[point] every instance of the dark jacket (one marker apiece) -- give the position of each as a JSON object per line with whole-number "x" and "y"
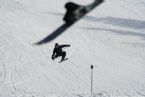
{"x": 58, "y": 51}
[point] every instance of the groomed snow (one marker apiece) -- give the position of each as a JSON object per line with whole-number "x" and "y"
{"x": 111, "y": 37}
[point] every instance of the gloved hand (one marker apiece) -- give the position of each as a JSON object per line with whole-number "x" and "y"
{"x": 53, "y": 57}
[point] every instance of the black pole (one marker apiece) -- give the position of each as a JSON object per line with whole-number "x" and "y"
{"x": 92, "y": 78}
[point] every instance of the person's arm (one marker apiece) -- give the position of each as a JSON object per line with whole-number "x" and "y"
{"x": 64, "y": 45}
{"x": 53, "y": 54}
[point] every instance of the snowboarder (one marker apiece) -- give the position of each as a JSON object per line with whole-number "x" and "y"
{"x": 70, "y": 8}
{"x": 57, "y": 52}
{"x": 74, "y": 11}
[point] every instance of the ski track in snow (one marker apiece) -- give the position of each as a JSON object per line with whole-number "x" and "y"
{"x": 2, "y": 72}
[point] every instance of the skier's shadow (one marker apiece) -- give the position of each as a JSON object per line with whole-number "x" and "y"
{"x": 54, "y": 34}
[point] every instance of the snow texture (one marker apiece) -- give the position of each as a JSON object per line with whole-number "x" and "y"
{"x": 111, "y": 37}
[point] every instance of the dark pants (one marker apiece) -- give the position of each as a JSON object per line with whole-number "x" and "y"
{"x": 63, "y": 54}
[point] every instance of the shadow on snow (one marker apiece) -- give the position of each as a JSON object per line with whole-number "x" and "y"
{"x": 121, "y": 32}
{"x": 129, "y": 23}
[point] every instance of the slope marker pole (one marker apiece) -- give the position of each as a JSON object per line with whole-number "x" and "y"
{"x": 92, "y": 78}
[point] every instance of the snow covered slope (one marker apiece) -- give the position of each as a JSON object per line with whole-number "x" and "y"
{"x": 111, "y": 37}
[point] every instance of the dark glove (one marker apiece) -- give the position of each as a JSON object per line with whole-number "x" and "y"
{"x": 53, "y": 57}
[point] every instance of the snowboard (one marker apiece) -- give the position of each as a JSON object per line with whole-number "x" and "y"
{"x": 75, "y": 16}
{"x": 63, "y": 60}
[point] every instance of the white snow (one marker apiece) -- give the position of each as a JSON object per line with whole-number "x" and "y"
{"x": 111, "y": 37}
